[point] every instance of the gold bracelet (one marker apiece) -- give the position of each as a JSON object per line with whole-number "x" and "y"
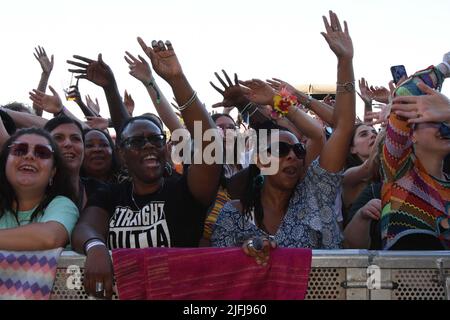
{"x": 345, "y": 87}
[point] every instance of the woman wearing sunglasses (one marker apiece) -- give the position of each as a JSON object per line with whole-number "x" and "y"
{"x": 294, "y": 207}
{"x": 36, "y": 208}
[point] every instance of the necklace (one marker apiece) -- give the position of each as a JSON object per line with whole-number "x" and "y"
{"x": 154, "y": 193}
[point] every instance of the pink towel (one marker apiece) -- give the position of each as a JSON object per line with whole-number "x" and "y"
{"x": 210, "y": 274}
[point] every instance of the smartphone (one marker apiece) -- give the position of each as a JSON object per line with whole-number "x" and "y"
{"x": 398, "y": 72}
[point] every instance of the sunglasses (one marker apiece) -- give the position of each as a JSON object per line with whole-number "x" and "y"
{"x": 282, "y": 149}
{"x": 157, "y": 140}
{"x": 227, "y": 127}
{"x": 41, "y": 151}
{"x": 444, "y": 129}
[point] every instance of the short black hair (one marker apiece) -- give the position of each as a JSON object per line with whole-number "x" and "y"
{"x": 8, "y": 122}
{"x": 133, "y": 119}
{"x": 52, "y": 124}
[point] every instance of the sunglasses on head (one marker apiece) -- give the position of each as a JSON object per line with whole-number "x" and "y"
{"x": 156, "y": 140}
{"x": 282, "y": 149}
{"x": 41, "y": 151}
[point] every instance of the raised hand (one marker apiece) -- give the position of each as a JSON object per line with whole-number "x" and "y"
{"x": 94, "y": 106}
{"x": 140, "y": 69}
{"x": 97, "y": 72}
{"x": 339, "y": 41}
{"x": 259, "y": 92}
{"x": 51, "y": 104}
{"x": 432, "y": 107}
{"x": 277, "y": 84}
{"x": 163, "y": 58}
{"x": 329, "y": 100}
{"x": 42, "y": 58}
{"x": 233, "y": 94}
{"x": 380, "y": 94}
{"x": 366, "y": 94}
{"x": 97, "y": 122}
{"x": 377, "y": 117}
{"x": 128, "y": 102}
{"x": 74, "y": 94}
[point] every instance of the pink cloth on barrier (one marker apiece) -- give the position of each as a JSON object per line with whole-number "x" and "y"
{"x": 28, "y": 275}
{"x": 210, "y": 274}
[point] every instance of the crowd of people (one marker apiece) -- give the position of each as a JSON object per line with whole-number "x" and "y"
{"x": 379, "y": 183}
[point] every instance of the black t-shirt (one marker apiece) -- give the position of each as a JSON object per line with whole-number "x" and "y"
{"x": 170, "y": 217}
{"x": 372, "y": 191}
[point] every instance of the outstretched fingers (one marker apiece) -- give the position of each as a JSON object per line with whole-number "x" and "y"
{"x": 220, "y": 80}
{"x": 216, "y": 88}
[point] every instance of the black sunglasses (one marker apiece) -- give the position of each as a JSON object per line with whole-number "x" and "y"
{"x": 282, "y": 149}
{"x": 156, "y": 140}
{"x": 20, "y": 149}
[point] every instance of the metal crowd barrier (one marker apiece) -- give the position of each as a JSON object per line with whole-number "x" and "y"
{"x": 335, "y": 275}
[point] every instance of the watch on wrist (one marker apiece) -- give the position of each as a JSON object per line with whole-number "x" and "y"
{"x": 345, "y": 87}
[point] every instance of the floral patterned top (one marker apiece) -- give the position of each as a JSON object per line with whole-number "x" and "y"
{"x": 310, "y": 220}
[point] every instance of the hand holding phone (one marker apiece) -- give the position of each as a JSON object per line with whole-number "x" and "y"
{"x": 398, "y": 72}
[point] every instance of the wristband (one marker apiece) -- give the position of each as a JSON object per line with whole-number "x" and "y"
{"x": 92, "y": 243}
{"x": 281, "y": 103}
{"x": 60, "y": 112}
{"x": 152, "y": 84}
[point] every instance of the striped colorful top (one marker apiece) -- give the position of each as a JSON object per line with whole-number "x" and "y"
{"x": 412, "y": 200}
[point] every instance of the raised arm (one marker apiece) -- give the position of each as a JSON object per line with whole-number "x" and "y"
{"x": 75, "y": 94}
{"x": 261, "y": 93}
{"x": 203, "y": 179}
{"x": 334, "y": 153}
{"x": 100, "y": 73}
{"x": 4, "y": 135}
{"x": 398, "y": 145}
{"x": 52, "y": 104}
{"x": 140, "y": 69}
{"x": 321, "y": 109}
{"x": 47, "y": 67}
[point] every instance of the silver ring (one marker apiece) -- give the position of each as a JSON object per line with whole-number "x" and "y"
{"x": 99, "y": 287}
{"x": 250, "y": 244}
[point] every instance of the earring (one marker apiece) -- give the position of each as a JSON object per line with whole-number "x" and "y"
{"x": 168, "y": 170}
{"x": 258, "y": 181}
{"x": 50, "y": 183}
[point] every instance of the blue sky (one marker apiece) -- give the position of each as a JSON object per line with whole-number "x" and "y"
{"x": 256, "y": 39}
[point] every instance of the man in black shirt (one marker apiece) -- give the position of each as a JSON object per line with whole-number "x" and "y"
{"x": 153, "y": 210}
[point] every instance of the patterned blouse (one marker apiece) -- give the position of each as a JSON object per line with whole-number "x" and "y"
{"x": 310, "y": 220}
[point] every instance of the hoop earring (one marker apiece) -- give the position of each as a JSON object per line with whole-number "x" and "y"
{"x": 167, "y": 170}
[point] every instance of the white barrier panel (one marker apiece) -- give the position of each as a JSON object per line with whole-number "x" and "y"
{"x": 335, "y": 275}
